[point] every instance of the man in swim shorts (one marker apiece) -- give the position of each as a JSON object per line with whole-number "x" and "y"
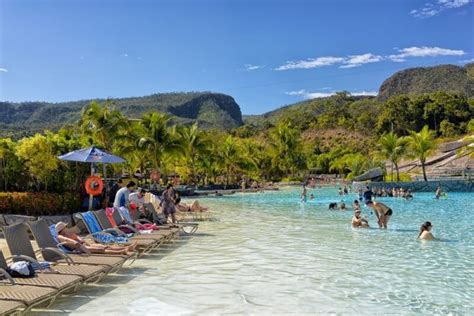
{"x": 382, "y": 211}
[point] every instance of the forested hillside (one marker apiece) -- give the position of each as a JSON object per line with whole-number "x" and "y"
{"x": 448, "y": 78}
{"x": 210, "y": 110}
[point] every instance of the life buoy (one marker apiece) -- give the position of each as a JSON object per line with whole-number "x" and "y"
{"x": 94, "y": 185}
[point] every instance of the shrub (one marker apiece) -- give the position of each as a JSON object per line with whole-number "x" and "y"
{"x": 404, "y": 177}
{"x": 38, "y": 203}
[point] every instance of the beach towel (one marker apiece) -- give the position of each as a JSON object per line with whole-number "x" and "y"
{"x": 91, "y": 222}
{"x": 109, "y": 211}
{"x": 125, "y": 214}
{"x": 104, "y": 238}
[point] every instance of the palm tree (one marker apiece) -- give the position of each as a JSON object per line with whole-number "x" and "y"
{"x": 102, "y": 124}
{"x": 391, "y": 147}
{"x": 194, "y": 144}
{"x": 421, "y": 145}
{"x": 285, "y": 148}
{"x": 230, "y": 157}
{"x": 156, "y": 138}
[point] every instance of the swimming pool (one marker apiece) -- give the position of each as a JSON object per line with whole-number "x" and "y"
{"x": 270, "y": 254}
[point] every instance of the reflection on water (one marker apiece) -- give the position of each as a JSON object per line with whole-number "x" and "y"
{"x": 268, "y": 253}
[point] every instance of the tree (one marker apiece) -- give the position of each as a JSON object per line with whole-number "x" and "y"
{"x": 194, "y": 144}
{"x": 156, "y": 138}
{"x": 37, "y": 154}
{"x": 102, "y": 124}
{"x": 230, "y": 157}
{"x": 393, "y": 148}
{"x": 421, "y": 145}
{"x": 286, "y": 149}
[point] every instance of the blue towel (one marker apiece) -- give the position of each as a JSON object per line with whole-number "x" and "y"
{"x": 104, "y": 238}
{"x": 91, "y": 222}
{"x": 126, "y": 214}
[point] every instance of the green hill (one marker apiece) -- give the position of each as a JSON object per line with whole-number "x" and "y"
{"x": 210, "y": 110}
{"x": 447, "y": 78}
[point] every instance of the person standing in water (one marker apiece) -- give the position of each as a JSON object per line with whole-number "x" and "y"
{"x": 304, "y": 194}
{"x": 382, "y": 211}
{"x": 438, "y": 192}
{"x": 425, "y": 231}
{"x": 168, "y": 206}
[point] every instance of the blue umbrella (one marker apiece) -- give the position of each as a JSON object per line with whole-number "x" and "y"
{"x": 92, "y": 155}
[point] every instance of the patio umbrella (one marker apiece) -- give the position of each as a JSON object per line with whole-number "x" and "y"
{"x": 92, "y": 155}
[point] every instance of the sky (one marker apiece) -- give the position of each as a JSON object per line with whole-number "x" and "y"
{"x": 264, "y": 53}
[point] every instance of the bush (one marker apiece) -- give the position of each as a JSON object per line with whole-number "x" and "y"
{"x": 38, "y": 203}
{"x": 404, "y": 177}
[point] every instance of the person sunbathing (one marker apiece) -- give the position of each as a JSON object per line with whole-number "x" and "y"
{"x": 195, "y": 207}
{"x": 74, "y": 242}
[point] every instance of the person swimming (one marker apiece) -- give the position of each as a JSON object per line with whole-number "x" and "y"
{"x": 311, "y": 196}
{"x": 425, "y": 231}
{"x": 358, "y": 221}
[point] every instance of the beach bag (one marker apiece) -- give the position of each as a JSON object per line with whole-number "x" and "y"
{"x": 21, "y": 269}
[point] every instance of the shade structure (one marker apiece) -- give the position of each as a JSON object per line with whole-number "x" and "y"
{"x": 92, "y": 155}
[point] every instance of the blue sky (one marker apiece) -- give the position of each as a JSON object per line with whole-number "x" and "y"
{"x": 263, "y": 53}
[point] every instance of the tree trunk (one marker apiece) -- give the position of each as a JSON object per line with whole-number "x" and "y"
{"x": 423, "y": 168}
{"x": 392, "y": 170}
{"x": 398, "y": 173}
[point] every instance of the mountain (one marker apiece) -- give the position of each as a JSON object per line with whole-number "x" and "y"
{"x": 412, "y": 81}
{"x": 447, "y": 78}
{"x": 210, "y": 110}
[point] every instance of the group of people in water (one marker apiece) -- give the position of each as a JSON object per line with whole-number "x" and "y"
{"x": 382, "y": 211}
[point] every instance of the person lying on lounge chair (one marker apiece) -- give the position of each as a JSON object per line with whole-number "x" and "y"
{"x": 74, "y": 242}
{"x": 195, "y": 207}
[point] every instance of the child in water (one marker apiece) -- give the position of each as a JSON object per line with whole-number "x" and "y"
{"x": 425, "y": 231}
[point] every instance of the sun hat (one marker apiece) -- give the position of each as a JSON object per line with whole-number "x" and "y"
{"x": 60, "y": 226}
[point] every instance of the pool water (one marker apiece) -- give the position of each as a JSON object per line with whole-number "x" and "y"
{"x": 269, "y": 254}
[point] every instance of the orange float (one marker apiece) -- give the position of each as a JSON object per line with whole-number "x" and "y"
{"x": 94, "y": 185}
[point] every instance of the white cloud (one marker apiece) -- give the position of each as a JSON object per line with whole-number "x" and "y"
{"x": 250, "y": 67}
{"x": 124, "y": 55}
{"x": 466, "y": 61}
{"x": 424, "y": 51}
{"x": 313, "y": 95}
{"x": 431, "y": 9}
{"x": 311, "y": 63}
{"x": 3, "y": 70}
{"x": 358, "y": 60}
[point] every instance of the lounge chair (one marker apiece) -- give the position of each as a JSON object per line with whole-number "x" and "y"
{"x": 14, "y": 296}
{"x": 144, "y": 246}
{"x": 60, "y": 282}
{"x": 186, "y": 228}
{"x": 20, "y": 247}
{"x": 11, "y": 308}
{"x": 158, "y": 235}
{"x": 49, "y": 247}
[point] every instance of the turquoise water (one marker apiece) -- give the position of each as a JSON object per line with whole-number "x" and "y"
{"x": 270, "y": 254}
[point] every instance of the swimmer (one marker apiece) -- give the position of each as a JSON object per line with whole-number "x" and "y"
{"x": 311, "y": 196}
{"x": 342, "y": 206}
{"x": 425, "y": 231}
{"x": 382, "y": 211}
{"x": 356, "y": 205}
{"x": 333, "y": 206}
{"x": 358, "y": 221}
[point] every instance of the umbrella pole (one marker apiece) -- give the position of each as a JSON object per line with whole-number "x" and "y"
{"x": 91, "y": 197}
{"x": 106, "y": 186}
